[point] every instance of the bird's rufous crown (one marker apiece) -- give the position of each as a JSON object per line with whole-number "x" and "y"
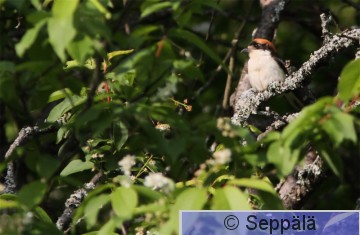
{"x": 265, "y": 41}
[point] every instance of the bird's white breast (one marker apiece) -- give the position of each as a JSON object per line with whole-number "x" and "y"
{"x": 263, "y": 69}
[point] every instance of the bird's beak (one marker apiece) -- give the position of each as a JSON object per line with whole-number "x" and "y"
{"x": 245, "y": 50}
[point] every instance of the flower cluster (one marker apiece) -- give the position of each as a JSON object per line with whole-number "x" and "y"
{"x": 157, "y": 181}
{"x": 127, "y": 163}
{"x": 224, "y": 125}
{"x": 222, "y": 157}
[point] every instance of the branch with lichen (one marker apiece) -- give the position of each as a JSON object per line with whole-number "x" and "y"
{"x": 250, "y": 100}
{"x": 74, "y": 201}
{"x": 25, "y": 134}
{"x": 294, "y": 190}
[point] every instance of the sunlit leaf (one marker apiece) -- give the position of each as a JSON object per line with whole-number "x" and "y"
{"x": 230, "y": 198}
{"x": 28, "y": 39}
{"x": 349, "y": 83}
{"x": 255, "y": 184}
{"x": 60, "y": 26}
{"x": 93, "y": 207}
{"x": 124, "y": 200}
{"x": 148, "y": 9}
{"x": 76, "y": 166}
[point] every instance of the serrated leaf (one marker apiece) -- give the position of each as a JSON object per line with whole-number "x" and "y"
{"x": 349, "y": 83}
{"x": 60, "y": 26}
{"x": 230, "y": 198}
{"x": 76, "y": 166}
{"x": 28, "y": 39}
{"x": 31, "y": 194}
{"x": 124, "y": 201}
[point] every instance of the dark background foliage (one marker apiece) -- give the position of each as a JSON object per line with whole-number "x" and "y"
{"x": 99, "y": 80}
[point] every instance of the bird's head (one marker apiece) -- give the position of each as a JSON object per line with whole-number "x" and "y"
{"x": 260, "y": 44}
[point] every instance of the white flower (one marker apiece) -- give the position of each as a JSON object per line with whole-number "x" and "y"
{"x": 222, "y": 156}
{"x": 157, "y": 181}
{"x": 126, "y": 163}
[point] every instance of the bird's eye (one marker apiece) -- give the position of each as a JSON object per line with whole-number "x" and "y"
{"x": 257, "y": 46}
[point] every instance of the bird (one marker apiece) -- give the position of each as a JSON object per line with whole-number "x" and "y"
{"x": 264, "y": 66}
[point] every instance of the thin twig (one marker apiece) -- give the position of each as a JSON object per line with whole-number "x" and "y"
{"x": 209, "y": 30}
{"x": 227, "y": 56}
{"x": 225, "y": 104}
{"x": 97, "y": 78}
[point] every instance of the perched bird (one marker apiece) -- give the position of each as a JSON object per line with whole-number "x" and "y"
{"x": 264, "y": 66}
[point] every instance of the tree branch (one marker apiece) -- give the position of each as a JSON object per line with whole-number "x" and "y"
{"x": 24, "y": 135}
{"x": 270, "y": 18}
{"x": 74, "y": 201}
{"x": 248, "y": 102}
{"x": 302, "y": 182}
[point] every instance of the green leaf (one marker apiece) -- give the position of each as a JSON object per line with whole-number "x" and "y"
{"x": 5, "y": 204}
{"x": 101, "y": 8}
{"x": 188, "y": 69}
{"x": 47, "y": 165}
{"x": 283, "y": 157}
{"x": 31, "y": 194}
{"x": 42, "y": 215}
{"x": 76, "y": 166}
{"x": 63, "y": 107}
{"x": 93, "y": 207}
{"x": 29, "y": 38}
{"x": 149, "y": 8}
{"x": 333, "y": 160}
{"x": 60, "y": 94}
{"x": 60, "y": 26}
{"x": 148, "y": 193}
{"x": 340, "y": 126}
{"x": 258, "y": 184}
{"x": 124, "y": 201}
{"x": 192, "y": 38}
{"x": 307, "y": 121}
{"x": 108, "y": 228}
{"x": 80, "y": 49}
{"x": 114, "y": 54}
{"x": 189, "y": 199}
{"x": 230, "y": 198}
{"x": 121, "y": 134}
{"x": 349, "y": 83}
